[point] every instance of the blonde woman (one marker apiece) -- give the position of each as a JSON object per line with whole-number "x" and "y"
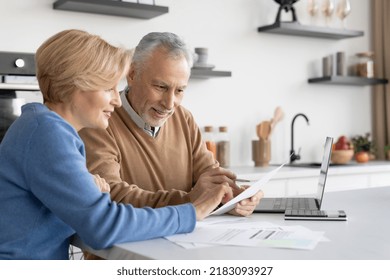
{"x": 46, "y": 192}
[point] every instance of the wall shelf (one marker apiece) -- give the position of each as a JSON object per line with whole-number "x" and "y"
{"x": 347, "y": 80}
{"x": 197, "y": 73}
{"x": 113, "y": 8}
{"x": 297, "y": 29}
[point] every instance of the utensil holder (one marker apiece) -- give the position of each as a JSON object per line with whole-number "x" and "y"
{"x": 261, "y": 152}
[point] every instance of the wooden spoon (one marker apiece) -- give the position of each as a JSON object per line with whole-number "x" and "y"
{"x": 263, "y": 129}
{"x": 278, "y": 116}
{"x": 267, "y": 129}
{"x": 259, "y": 130}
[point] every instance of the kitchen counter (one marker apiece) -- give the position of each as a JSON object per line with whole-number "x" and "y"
{"x": 364, "y": 237}
{"x": 303, "y": 180}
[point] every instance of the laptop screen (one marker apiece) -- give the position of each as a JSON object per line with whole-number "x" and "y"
{"x": 324, "y": 170}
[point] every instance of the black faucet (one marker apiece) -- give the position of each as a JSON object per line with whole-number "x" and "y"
{"x": 293, "y": 156}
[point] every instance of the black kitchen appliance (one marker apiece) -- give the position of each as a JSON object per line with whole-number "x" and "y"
{"x": 15, "y": 67}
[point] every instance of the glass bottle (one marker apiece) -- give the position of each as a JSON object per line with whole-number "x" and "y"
{"x": 223, "y": 147}
{"x": 210, "y": 141}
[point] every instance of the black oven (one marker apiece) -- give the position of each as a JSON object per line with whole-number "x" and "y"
{"x": 17, "y": 73}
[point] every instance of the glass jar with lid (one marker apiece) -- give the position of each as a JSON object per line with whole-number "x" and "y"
{"x": 223, "y": 147}
{"x": 365, "y": 66}
{"x": 208, "y": 137}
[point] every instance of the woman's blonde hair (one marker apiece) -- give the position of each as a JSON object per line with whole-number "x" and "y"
{"x": 74, "y": 59}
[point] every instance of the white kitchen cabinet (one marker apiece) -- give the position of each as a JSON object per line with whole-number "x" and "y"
{"x": 301, "y": 186}
{"x": 347, "y": 182}
{"x": 379, "y": 179}
{"x": 296, "y": 181}
{"x": 275, "y": 187}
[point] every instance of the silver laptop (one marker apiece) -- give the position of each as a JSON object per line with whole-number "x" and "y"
{"x": 280, "y": 204}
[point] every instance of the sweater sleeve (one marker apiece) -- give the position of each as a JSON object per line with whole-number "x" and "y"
{"x": 104, "y": 158}
{"x": 57, "y": 175}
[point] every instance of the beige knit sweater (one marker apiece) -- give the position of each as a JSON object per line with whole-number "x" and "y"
{"x": 143, "y": 170}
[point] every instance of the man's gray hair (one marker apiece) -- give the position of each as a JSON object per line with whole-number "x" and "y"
{"x": 172, "y": 43}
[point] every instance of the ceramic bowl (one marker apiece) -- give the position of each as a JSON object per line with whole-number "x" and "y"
{"x": 341, "y": 156}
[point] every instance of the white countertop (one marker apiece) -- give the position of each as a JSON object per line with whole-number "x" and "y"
{"x": 365, "y": 236}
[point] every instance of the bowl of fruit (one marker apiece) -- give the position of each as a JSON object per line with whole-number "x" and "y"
{"x": 342, "y": 151}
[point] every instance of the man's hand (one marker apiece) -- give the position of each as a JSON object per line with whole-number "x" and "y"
{"x": 217, "y": 176}
{"x": 246, "y": 206}
{"x": 212, "y": 178}
{"x": 209, "y": 199}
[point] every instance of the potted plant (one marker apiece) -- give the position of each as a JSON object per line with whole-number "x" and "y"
{"x": 364, "y": 148}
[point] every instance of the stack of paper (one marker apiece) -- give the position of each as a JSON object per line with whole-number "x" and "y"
{"x": 240, "y": 231}
{"x": 222, "y": 230}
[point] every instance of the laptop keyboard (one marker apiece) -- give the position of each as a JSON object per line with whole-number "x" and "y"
{"x": 305, "y": 213}
{"x": 292, "y": 203}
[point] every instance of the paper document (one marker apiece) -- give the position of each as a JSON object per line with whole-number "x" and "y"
{"x": 240, "y": 233}
{"x": 249, "y": 192}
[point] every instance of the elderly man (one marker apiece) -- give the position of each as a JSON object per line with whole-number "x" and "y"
{"x": 152, "y": 153}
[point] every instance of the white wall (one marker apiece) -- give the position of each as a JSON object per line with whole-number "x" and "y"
{"x": 267, "y": 70}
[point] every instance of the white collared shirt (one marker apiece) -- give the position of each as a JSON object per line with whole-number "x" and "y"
{"x": 152, "y": 131}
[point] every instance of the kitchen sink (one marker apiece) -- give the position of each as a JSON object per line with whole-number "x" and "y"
{"x": 304, "y": 164}
{"x": 313, "y": 164}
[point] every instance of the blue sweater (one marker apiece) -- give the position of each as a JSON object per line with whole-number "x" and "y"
{"x": 47, "y": 195}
